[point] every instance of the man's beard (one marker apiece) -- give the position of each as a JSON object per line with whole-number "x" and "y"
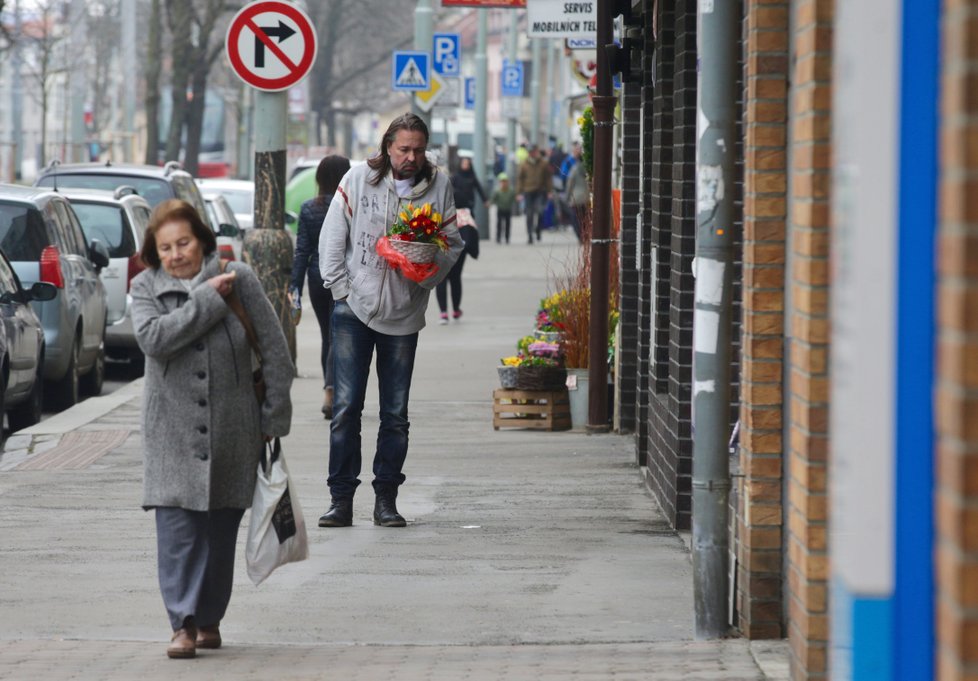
{"x": 406, "y": 171}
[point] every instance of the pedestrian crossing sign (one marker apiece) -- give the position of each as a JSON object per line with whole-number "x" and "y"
{"x": 411, "y": 71}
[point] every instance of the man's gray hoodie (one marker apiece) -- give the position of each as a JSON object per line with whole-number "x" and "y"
{"x": 359, "y": 214}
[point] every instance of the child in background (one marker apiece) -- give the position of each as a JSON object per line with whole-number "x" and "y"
{"x": 503, "y": 199}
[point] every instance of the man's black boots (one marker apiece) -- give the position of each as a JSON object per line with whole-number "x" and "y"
{"x": 340, "y": 513}
{"x": 385, "y": 508}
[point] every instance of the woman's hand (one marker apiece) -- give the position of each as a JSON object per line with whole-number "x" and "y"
{"x": 222, "y": 283}
{"x": 268, "y": 438}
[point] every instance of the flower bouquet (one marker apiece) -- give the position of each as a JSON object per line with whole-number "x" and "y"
{"x": 537, "y": 366}
{"x": 413, "y": 241}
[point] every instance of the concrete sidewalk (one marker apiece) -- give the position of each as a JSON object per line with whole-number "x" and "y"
{"x": 528, "y": 555}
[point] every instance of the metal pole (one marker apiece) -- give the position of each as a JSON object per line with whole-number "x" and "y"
{"x": 716, "y": 99}
{"x": 424, "y": 33}
{"x": 551, "y": 92}
{"x": 77, "y": 150}
{"x": 17, "y": 95}
{"x": 537, "y": 46}
{"x": 604, "y": 107}
{"x": 511, "y": 141}
{"x": 268, "y": 248}
{"x": 479, "y": 143}
{"x": 129, "y": 93}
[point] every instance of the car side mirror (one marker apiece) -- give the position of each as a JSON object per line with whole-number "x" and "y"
{"x": 228, "y": 230}
{"x": 291, "y": 218}
{"x": 42, "y": 290}
{"x": 98, "y": 254}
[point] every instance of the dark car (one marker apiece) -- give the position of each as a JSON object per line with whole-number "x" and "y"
{"x": 153, "y": 183}
{"x": 44, "y": 241}
{"x": 21, "y": 348}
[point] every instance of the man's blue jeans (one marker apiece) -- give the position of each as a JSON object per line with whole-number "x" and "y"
{"x": 353, "y": 345}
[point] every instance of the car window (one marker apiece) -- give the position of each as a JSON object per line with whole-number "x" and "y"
{"x": 239, "y": 200}
{"x": 8, "y": 280}
{"x": 152, "y": 189}
{"x": 109, "y": 225}
{"x": 186, "y": 189}
{"x": 72, "y": 236}
{"x": 212, "y": 218}
{"x": 22, "y": 233}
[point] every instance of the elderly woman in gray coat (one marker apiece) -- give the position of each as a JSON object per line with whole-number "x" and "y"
{"x": 203, "y": 429}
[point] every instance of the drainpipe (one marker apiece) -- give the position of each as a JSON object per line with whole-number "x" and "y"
{"x": 603, "y": 103}
{"x": 716, "y": 101}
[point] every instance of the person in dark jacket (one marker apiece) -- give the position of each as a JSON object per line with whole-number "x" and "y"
{"x": 328, "y": 175}
{"x": 465, "y": 186}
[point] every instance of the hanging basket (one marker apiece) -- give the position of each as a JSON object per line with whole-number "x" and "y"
{"x": 420, "y": 254}
{"x": 508, "y": 377}
{"x": 541, "y": 378}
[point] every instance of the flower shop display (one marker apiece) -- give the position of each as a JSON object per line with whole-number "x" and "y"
{"x": 413, "y": 241}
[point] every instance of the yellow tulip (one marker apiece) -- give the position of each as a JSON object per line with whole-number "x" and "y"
{"x": 436, "y": 218}
{"x": 426, "y": 209}
{"x": 404, "y": 216}
{"x": 417, "y": 212}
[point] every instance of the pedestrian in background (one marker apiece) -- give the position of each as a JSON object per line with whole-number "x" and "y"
{"x": 578, "y": 194}
{"x": 503, "y": 199}
{"x": 534, "y": 185}
{"x": 465, "y": 186}
{"x": 378, "y": 308}
{"x": 311, "y": 216}
{"x": 203, "y": 429}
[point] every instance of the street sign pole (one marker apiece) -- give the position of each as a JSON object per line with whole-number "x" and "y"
{"x": 511, "y": 140}
{"x": 423, "y": 34}
{"x": 479, "y": 143}
{"x": 271, "y": 46}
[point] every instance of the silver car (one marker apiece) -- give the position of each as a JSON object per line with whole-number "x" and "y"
{"x": 44, "y": 241}
{"x": 225, "y": 226}
{"x": 118, "y": 219}
{"x": 240, "y": 194}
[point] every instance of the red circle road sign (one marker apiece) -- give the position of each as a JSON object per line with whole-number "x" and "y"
{"x": 271, "y": 45}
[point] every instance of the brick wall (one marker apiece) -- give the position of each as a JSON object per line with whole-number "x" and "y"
{"x": 808, "y": 382}
{"x": 957, "y": 389}
{"x": 759, "y": 558}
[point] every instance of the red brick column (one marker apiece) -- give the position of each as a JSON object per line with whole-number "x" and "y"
{"x": 808, "y": 564}
{"x": 957, "y": 389}
{"x": 759, "y": 579}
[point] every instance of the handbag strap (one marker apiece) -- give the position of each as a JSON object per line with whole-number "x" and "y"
{"x": 234, "y": 302}
{"x": 270, "y": 453}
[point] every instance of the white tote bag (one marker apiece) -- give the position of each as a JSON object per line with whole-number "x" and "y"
{"x": 277, "y": 533}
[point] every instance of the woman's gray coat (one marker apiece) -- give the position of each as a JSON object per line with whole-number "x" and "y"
{"x": 202, "y": 431}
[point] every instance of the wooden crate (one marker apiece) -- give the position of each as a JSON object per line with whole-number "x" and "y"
{"x": 534, "y": 409}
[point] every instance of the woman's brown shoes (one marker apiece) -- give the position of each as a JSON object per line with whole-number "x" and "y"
{"x": 209, "y": 637}
{"x": 183, "y": 645}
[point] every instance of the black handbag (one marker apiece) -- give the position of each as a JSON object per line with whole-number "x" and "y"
{"x": 470, "y": 235}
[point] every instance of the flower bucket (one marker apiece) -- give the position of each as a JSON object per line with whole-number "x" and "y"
{"x": 547, "y": 336}
{"x": 508, "y": 377}
{"x": 415, "y": 252}
{"x": 577, "y": 396}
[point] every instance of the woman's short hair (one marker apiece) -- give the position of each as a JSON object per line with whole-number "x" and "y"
{"x": 175, "y": 210}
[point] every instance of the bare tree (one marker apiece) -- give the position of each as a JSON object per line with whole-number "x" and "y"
{"x": 356, "y": 38}
{"x": 42, "y": 37}
{"x": 154, "y": 69}
{"x": 102, "y": 17}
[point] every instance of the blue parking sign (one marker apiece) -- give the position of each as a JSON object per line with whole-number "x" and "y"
{"x": 446, "y": 51}
{"x": 411, "y": 71}
{"x": 512, "y": 77}
{"x": 470, "y": 93}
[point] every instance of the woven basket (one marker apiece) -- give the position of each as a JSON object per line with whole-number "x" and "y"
{"x": 541, "y": 378}
{"x": 417, "y": 253}
{"x": 508, "y": 377}
{"x": 547, "y": 336}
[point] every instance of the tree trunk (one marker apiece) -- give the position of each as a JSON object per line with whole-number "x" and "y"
{"x": 195, "y": 119}
{"x": 179, "y": 16}
{"x": 154, "y": 65}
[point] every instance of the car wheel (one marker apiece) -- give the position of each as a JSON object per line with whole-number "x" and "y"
{"x": 91, "y": 383}
{"x": 64, "y": 393}
{"x": 28, "y": 413}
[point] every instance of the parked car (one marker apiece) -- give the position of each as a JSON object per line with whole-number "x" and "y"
{"x": 21, "y": 349}
{"x": 153, "y": 183}
{"x": 225, "y": 226}
{"x": 240, "y": 194}
{"x": 44, "y": 241}
{"x": 118, "y": 219}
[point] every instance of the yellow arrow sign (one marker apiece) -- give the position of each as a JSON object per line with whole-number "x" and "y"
{"x": 427, "y": 98}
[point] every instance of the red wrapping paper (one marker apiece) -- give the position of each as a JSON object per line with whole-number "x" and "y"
{"x": 416, "y": 272}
